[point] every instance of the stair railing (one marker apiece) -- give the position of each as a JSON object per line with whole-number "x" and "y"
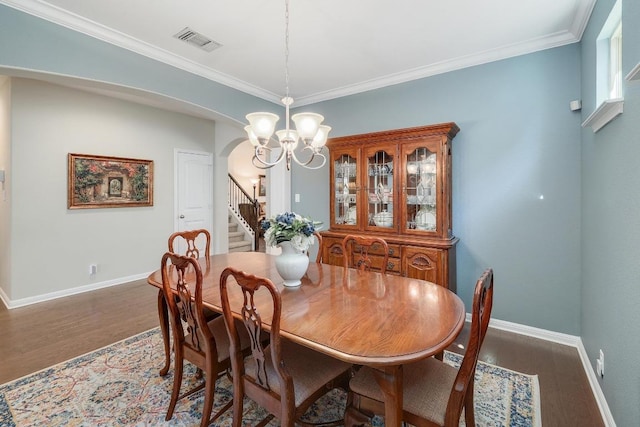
{"x": 245, "y": 207}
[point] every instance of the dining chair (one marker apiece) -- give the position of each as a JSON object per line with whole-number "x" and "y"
{"x": 283, "y": 377}
{"x": 434, "y": 393}
{"x": 190, "y": 239}
{"x": 356, "y": 249}
{"x": 205, "y": 343}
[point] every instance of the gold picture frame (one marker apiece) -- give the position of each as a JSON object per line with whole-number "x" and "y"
{"x": 108, "y": 182}
{"x": 262, "y": 185}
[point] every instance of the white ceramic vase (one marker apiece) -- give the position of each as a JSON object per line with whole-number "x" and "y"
{"x": 291, "y": 264}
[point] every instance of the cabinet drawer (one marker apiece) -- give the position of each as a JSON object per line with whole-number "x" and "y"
{"x": 394, "y": 250}
{"x": 424, "y": 263}
{"x": 393, "y": 264}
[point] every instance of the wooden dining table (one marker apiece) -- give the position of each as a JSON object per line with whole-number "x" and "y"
{"x": 365, "y": 318}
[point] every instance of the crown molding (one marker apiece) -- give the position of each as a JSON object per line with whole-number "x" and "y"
{"x": 93, "y": 29}
{"x": 504, "y": 52}
{"x": 103, "y": 33}
{"x": 581, "y": 19}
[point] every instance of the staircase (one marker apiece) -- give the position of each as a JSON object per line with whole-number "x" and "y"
{"x": 237, "y": 242}
{"x": 243, "y": 218}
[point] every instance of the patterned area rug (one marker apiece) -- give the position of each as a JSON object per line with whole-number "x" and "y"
{"x": 119, "y": 385}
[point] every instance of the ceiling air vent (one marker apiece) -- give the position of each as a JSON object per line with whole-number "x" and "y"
{"x": 196, "y": 39}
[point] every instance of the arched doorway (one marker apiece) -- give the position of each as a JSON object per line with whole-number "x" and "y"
{"x": 252, "y": 182}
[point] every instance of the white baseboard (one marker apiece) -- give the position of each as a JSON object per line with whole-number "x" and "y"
{"x": 67, "y": 292}
{"x": 4, "y": 298}
{"x": 570, "y": 340}
{"x": 607, "y": 417}
{"x": 530, "y": 331}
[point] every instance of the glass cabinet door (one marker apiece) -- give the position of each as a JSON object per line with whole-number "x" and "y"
{"x": 379, "y": 190}
{"x": 345, "y": 189}
{"x": 421, "y": 189}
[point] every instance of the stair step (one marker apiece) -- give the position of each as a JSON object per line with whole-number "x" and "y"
{"x": 241, "y": 246}
{"x": 236, "y": 236}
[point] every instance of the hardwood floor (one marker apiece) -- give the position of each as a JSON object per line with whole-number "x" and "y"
{"x": 40, "y": 335}
{"x": 565, "y": 393}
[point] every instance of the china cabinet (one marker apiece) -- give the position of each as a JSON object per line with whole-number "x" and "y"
{"x": 395, "y": 185}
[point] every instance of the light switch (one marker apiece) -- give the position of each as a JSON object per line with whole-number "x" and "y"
{"x": 297, "y": 198}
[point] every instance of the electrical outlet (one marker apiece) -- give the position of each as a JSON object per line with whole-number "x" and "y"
{"x": 93, "y": 269}
{"x": 600, "y": 364}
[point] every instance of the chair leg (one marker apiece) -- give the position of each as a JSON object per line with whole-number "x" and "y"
{"x": 177, "y": 381}
{"x": 286, "y": 420}
{"x": 469, "y": 410}
{"x": 209, "y": 391}
{"x": 163, "y": 316}
{"x": 238, "y": 395}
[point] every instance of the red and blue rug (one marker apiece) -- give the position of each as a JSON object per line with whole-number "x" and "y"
{"x": 119, "y": 385}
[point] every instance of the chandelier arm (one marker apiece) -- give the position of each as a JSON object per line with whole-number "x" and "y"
{"x": 313, "y": 156}
{"x": 257, "y": 162}
{"x": 264, "y": 164}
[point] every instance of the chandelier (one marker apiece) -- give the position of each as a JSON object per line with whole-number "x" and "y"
{"x": 309, "y": 129}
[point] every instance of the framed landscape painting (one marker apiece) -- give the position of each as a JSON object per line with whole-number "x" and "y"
{"x": 108, "y": 182}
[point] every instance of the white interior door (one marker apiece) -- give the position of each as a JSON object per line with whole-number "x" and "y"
{"x": 194, "y": 192}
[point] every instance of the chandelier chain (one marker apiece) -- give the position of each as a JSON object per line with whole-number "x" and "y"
{"x": 309, "y": 128}
{"x": 286, "y": 47}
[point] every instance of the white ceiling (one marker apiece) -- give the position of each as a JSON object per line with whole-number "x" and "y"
{"x": 337, "y": 47}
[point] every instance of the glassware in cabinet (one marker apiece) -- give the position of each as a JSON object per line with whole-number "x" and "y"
{"x": 345, "y": 183}
{"x": 421, "y": 189}
{"x": 379, "y": 189}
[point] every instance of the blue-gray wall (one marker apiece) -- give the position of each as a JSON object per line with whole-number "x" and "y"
{"x": 566, "y": 263}
{"x": 518, "y": 141}
{"x": 610, "y": 317}
{"x": 30, "y": 43}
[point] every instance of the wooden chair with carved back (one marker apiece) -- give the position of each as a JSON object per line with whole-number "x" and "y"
{"x": 434, "y": 393}
{"x": 201, "y": 341}
{"x": 191, "y": 238}
{"x": 282, "y": 377}
{"x": 197, "y": 243}
{"x": 356, "y": 252}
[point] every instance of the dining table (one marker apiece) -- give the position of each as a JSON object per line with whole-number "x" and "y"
{"x": 366, "y": 318}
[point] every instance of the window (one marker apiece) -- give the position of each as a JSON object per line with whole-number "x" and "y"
{"x": 609, "y": 57}
{"x": 615, "y": 63}
{"x": 609, "y": 100}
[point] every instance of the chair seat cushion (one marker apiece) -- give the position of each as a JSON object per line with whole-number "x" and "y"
{"x": 221, "y": 337}
{"x": 309, "y": 369}
{"x": 426, "y": 387}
